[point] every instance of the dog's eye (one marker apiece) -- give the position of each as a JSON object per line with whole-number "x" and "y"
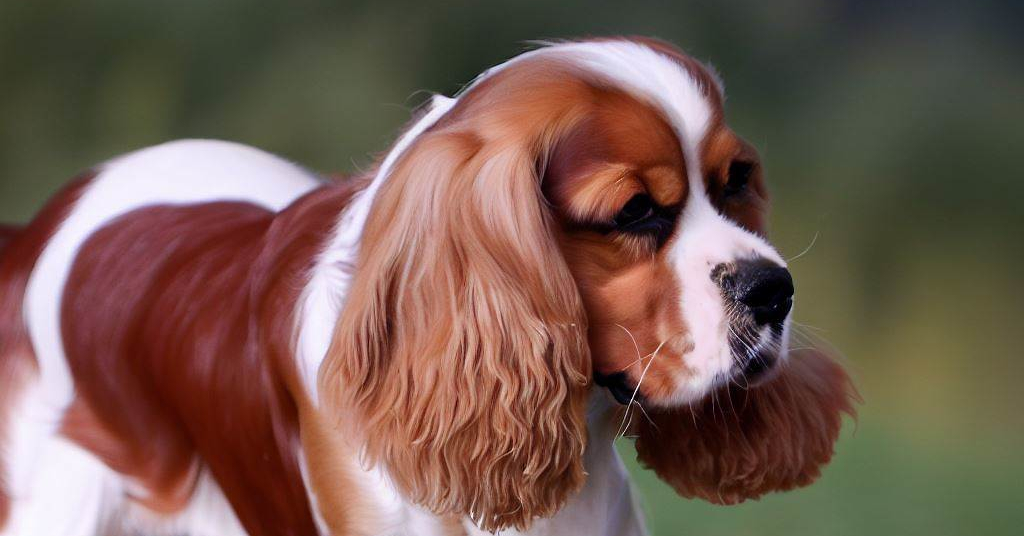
{"x": 642, "y": 217}
{"x": 739, "y": 176}
{"x": 637, "y": 210}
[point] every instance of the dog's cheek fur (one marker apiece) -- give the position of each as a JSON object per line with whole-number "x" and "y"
{"x": 741, "y": 444}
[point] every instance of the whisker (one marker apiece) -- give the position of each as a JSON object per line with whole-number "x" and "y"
{"x": 636, "y": 346}
{"x": 806, "y": 326}
{"x": 640, "y": 382}
{"x": 634, "y": 362}
{"x": 644, "y": 411}
{"x": 714, "y": 404}
{"x": 736, "y": 360}
{"x": 807, "y": 249}
{"x": 625, "y": 425}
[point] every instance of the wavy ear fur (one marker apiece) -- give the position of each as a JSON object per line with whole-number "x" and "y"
{"x": 461, "y": 351}
{"x": 741, "y": 443}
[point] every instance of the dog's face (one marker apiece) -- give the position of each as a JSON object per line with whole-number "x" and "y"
{"x": 665, "y": 239}
{"x": 682, "y": 292}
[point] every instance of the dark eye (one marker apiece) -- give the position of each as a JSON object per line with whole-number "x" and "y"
{"x": 637, "y": 210}
{"x": 739, "y": 176}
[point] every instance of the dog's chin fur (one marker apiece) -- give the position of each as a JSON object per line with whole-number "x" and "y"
{"x": 741, "y": 443}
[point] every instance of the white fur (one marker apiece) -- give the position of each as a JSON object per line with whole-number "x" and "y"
{"x": 208, "y": 514}
{"x": 655, "y": 78}
{"x": 71, "y": 493}
{"x": 646, "y": 74}
{"x": 318, "y": 518}
{"x": 393, "y": 515}
{"x": 182, "y": 172}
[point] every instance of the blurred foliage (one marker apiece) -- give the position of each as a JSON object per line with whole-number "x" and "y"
{"x": 891, "y": 133}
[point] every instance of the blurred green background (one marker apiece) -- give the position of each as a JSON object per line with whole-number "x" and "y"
{"x": 891, "y": 132}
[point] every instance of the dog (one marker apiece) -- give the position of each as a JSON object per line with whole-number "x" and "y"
{"x": 202, "y": 338}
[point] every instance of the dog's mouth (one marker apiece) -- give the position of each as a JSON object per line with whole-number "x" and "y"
{"x": 756, "y": 349}
{"x": 758, "y": 296}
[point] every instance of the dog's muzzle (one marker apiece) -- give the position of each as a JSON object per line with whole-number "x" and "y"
{"x": 759, "y": 298}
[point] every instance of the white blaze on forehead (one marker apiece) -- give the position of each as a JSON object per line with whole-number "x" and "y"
{"x": 659, "y": 80}
{"x": 648, "y": 75}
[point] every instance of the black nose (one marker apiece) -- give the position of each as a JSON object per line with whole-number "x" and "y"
{"x": 764, "y": 287}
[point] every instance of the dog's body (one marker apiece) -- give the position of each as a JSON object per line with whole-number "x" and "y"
{"x": 131, "y": 411}
{"x": 122, "y": 439}
{"x": 200, "y": 338}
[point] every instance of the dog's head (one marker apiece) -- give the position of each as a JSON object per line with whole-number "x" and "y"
{"x": 582, "y": 209}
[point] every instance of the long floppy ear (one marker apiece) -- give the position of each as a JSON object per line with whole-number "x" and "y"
{"x": 461, "y": 351}
{"x": 744, "y": 443}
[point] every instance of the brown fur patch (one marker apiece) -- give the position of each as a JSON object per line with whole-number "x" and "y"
{"x": 743, "y": 443}
{"x": 618, "y": 148}
{"x": 170, "y": 312}
{"x": 293, "y": 242}
{"x": 157, "y": 332}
